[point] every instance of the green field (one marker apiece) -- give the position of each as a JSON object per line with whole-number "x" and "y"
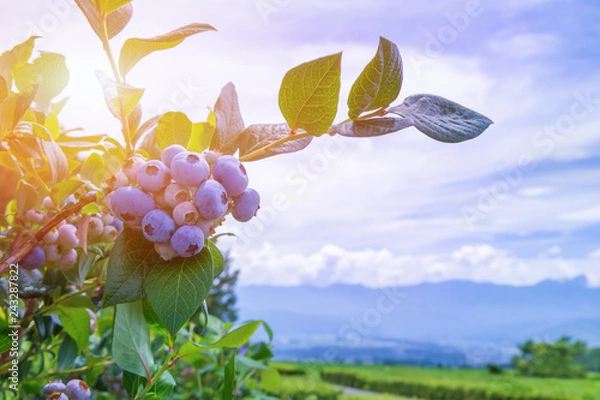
{"x": 430, "y": 384}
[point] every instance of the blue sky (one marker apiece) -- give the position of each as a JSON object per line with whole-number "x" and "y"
{"x": 517, "y": 205}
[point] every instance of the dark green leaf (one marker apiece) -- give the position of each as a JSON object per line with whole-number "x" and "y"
{"x": 229, "y": 121}
{"x": 153, "y": 321}
{"x": 442, "y": 119}
{"x": 177, "y": 288}
{"x": 164, "y": 386}
{"x": 258, "y": 136}
{"x": 217, "y": 258}
{"x": 229, "y": 380}
{"x": 76, "y": 322}
{"x": 133, "y": 383}
{"x": 173, "y": 128}
{"x": 67, "y": 353}
{"x": 135, "y": 49}
{"x": 309, "y": 94}
{"x": 129, "y": 258}
{"x": 371, "y": 127}
{"x": 131, "y": 339}
{"x": 379, "y": 83}
{"x": 233, "y": 339}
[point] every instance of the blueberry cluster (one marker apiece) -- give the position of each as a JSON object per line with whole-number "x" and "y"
{"x": 58, "y": 248}
{"x": 75, "y": 389}
{"x": 179, "y": 200}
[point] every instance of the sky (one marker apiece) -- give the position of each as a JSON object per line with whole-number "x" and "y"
{"x": 517, "y": 205}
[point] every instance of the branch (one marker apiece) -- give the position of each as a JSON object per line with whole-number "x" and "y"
{"x": 19, "y": 253}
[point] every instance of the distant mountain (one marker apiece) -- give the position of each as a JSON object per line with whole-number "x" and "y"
{"x": 481, "y": 321}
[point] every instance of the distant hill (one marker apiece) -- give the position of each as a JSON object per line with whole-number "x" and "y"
{"x": 482, "y": 322}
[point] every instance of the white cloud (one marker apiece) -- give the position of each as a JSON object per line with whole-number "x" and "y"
{"x": 525, "y": 45}
{"x": 379, "y": 268}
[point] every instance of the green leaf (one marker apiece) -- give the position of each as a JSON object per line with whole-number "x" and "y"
{"x": 261, "y": 135}
{"x": 27, "y": 197}
{"x": 442, "y": 119}
{"x": 229, "y": 121}
{"x": 131, "y": 339}
{"x": 57, "y": 161}
{"x": 173, "y": 128}
{"x": 270, "y": 380}
{"x": 371, "y": 127}
{"x": 76, "y": 322}
{"x": 78, "y": 302}
{"x": 131, "y": 256}
{"x": 309, "y": 94}
{"x": 135, "y": 49}
{"x": 115, "y": 21}
{"x": 133, "y": 383}
{"x": 108, "y": 6}
{"x": 120, "y": 98}
{"x": 202, "y": 134}
{"x": 229, "y": 380}
{"x": 176, "y": 289}
{"x": 233, "y": 339}
{"x": 164, "y": 386}
{"x": 14, "y": 58}
{"x": 55, "y": 76}
{"x": 93, "y": 170}
{"x": 379, "y": 83}
{"x": 67, "y": 353}
{"x": 217, "y": 258}
{"x": 153, "y": 321}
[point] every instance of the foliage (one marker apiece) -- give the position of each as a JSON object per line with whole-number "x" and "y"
{"x": 128, "y": 320}
{"x": 453, "y": 384}
{"x": 547, "y": 360}
{"x": 590, "y": 359}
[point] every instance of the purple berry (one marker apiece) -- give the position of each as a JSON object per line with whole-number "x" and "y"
{"x": 231, "y": 173}
{"x": 95, "y": 227}
{"x": 117, "y": 224}
{"x": 246, "y": 205}
{"x": 78, "y": 390}
{"x": 67, "y": 260}
{"x": 211, "y": 199}
{"x": 67, "y": 236}
{"x": 189, "y": 168}
{"x": 187, "y": 241}
{"x": 58, "y": 396}
{"x": 165, "y": 251}
{"x": 118, "y": 180}
{"x": 109, "y": 234}
{"x": 34, "y": 216}
{"x": 130, "y": 204}
{"x": 132, "y": 166}
{"x": 107, "y": 219}
{"x": 52, "y": 253}
{"x": 53, "y": 386}
{"x": 158, "y": 226}
{"x": 34, "y": 259}
{"x": 69, "y": 201}
{"x": 48, "y": 204}
{"x": 185, "y": 213}
{"x": 51, "y": 237}
{"x": 153, "y": 176}
{"x": 175, "y": 194}
{"x": 170, "y": 152}
{"x": 206, "y": 226}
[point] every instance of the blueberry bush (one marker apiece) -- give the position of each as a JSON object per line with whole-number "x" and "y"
{"x": 108, "y": 243}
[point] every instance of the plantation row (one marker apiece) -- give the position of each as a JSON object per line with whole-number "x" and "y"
{"x": 432, "y": 390}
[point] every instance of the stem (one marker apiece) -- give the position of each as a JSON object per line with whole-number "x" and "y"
{"x": 19, "y": 253}
{"x": 256, "y": 153}
{"x": 51, "y": 374}
{"x": 377, "y": 113}
{"x": 165, "y": 366}
{"x": 49, "y": 307}
{"x": 120, "y": 81}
